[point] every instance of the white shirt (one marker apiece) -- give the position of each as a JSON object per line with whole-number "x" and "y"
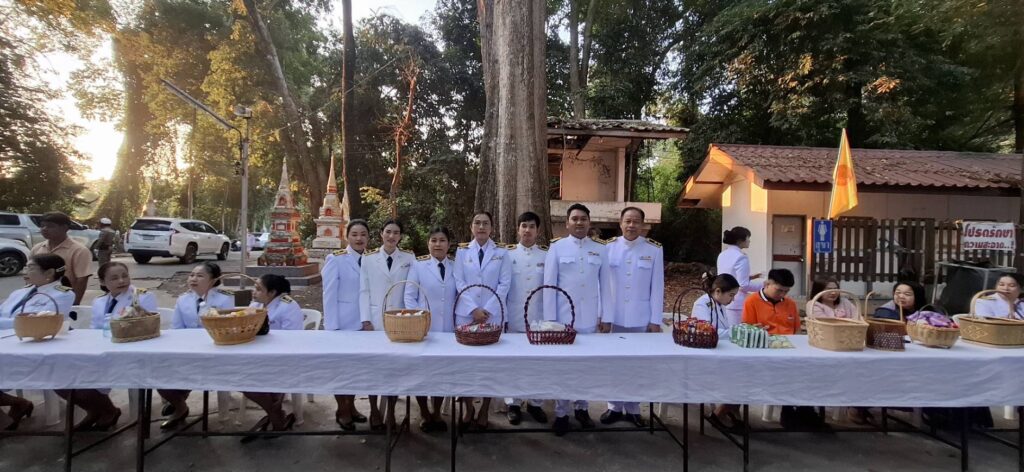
{"x": 188, "y": 309}
{"x": 638, "y": 282}
{"x": 707, "y": 309}
{"x": 100, "y": 313}
{"x": 527, "y": 275}
{"x": 376, "y": 279}
{"x": 341, "y": 290}
{"x": 437, "y": 295}
{"x": 283, "y": 313}
{"x": 733, "y": 261}
{"x": 998, "y": 307}
{"x": 580, "y": 267}
{"x": 495, "y": 272}
{"x": 36, "y": 303}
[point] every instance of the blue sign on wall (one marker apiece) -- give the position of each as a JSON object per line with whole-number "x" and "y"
{"x": 822, "y": 234}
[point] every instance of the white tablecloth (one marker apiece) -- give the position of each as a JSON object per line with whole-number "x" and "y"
{"x": 631, "y": 367}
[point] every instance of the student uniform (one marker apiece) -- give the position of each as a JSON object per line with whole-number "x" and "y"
{"x": 437, "y": 293}
{"x": 998, "y": 307}
{"x": 341, "y": 274}
{"x": 527, "y": 275}
{"x": 488, "y": 265}
{"x": 733, "y": 261}
{"x": 32, "y": 299}
{"x": 105, "y": 306}
{"x": 283, "y": 312}
{"x": 377, "y": 275}
{"x": 707, "y": 309}
{"x": 190, "y": 306}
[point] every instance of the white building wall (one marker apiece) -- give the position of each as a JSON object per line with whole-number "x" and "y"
{"x": 590, "y": 177}
{"x": 743, "y": 205}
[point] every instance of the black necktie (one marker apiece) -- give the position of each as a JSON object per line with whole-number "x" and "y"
{"x": 390, "y": 260}
{"x": 24, "y": 299}
{"x": 480, "y": 256}
{"x": 440, "y": 267}
{"x": 199, "y": 303}
{"x": 111, "y": 304}
{"x": 359, "y": 262}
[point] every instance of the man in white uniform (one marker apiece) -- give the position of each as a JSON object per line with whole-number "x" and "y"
{"x": 578, "y": 265}
{"x": 527, "y": 274}
{"x": 638, "y": 294}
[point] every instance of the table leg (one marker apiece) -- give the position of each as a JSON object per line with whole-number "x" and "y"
{"x": 142, "y": 424}
{"x": 701, "y": 419}
{"x": 206, "y": 412}
{"x": 650, "y": 424}
{"x": 965, "y": 429}
{"x": 1020, "y": 438}
{"x": 885, "y": 421}
{"x": 69, "y": 430}
{"x": 686, "y": 437}
{"x": 455, "y": 432}
{"x": 746, "y": 438}
{"x": 388, "y": 409}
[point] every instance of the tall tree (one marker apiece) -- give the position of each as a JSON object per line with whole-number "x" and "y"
{"x": 579, "y": 62}
{"x": 352, "y": 170}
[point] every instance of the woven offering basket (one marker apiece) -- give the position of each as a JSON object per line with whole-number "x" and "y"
{"x": 836, "y": 334}
{"x": 126, "y": 330}
{"x": 228, "y": 330}
{"x": 687, "y": 334}
{"x": 567, "y": 336}
{"x": 38, "y": 328}
{"x": 882, "y": 325}
{"x": 995, "y": 332}
{"x": 399, "y": 325}
{"x": 487, "y": 333}
{"x": 932, "y": 336}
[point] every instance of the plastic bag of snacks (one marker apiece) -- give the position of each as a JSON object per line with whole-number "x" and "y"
{"x": 933, "y": 319}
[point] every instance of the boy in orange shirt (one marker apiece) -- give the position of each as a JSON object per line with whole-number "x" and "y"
{"x": 771, "y": 307}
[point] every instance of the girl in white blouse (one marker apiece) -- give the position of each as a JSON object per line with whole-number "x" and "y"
{"x": 1006, "y": 303}
{"x": 342, "y": 281}
{"x": 720, "y": 292}
{"x": 202, "y": 295}
{"x": 734, "y": 261}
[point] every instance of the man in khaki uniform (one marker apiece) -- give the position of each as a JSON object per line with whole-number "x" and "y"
{"x": 77, "y": 258}
{"x": 105, "y": 242}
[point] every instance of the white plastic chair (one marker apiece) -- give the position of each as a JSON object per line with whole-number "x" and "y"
{"x": 166, "y": 315}
{"x": 311, "y": 319}
{"x": 84, "y": 315}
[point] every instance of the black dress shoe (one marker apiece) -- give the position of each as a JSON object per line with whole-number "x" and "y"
{"x": 106, "y": 425}
{"x": 358, "y": 418}
{"x": 583, "y": 416}
{"x": 636, "y": 419}
{"x": 350, "y": 426}
{"x": 609, "y": 417}
{"x": 260, "y": 425}
{"x": 537, "y": 413}
{"x": 175, "y": 421}
{"x": 515, "y": 414}
{"x": 167, "y": 410}
{"x": 561, "y": 426}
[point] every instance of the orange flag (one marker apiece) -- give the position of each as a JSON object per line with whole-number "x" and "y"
{"x": 844, "y": 182}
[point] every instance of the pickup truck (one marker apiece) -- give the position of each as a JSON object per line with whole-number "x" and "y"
{"x": 24, "y": 227}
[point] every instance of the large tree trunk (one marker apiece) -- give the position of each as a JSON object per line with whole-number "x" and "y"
{"x": 574, "y": 60}
{"x": 516, "y": 46}
{"x": 1018, "y": 94}
{"x": 126, "y": 195}
{"x": 353, "y": 172}
{"x": 486, "y": 185}
{"x": 309, "y": 170}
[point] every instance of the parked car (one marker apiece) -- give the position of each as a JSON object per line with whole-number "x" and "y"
{"x": 174, "y": 237}
{"x": 261, "y": 241}
{"x": 14, "y": 255}
{"x": 24, "y": 227}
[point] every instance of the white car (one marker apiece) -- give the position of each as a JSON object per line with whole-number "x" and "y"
{"x": 175, "y": 237}
{"x": 14, "y": 255}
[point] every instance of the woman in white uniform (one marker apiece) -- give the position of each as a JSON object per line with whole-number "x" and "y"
{"x": 433, "y": 272}
{"x": 734, "y": 261}
{"x": 341, "y": 304}
{"x": 381, "y": 269}
{"x": 283, "y": 312}
{"x": 720, "y": 292}
{"x": 44, "y": 274}
{"x": 202, "y": 295}
{"x": 1006, "y": 303}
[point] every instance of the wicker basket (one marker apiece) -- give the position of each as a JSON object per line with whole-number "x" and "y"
{"x": 228, "y": 330}
{"x": 141, "y": 328}
{"x": 489, "y": 335}
{"x": 402, "y": 328}
{"x": 998, "y": 332}
{"x": 686, "y": 331}
{"x": 38, "y": 328}
{"x": 568, "y": 336}
{"x": 932, "y": 336}
{"x": 835, "y": 334}
{"x": 882, "y": 325}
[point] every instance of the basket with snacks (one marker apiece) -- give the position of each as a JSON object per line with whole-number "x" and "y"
{"x": 932, "y": 329}
{"x": 405, "y": 325}
{"x": 877, "y": 326}
{"x": 237, "y": 325}
{"x": 39, "y": 325}
{"x": 835, "y": 334}
{"x": 688, "y": 331}
{"x": 134, "y": 323}
{"x": 988, "y": 331}
{"x": 550, "y": 332}
{"x": 479, "y": 334}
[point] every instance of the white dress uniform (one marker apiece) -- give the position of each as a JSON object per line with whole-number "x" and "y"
{"x": 580, "y": 267}
{"x": 997, "y": 306}
{"x": 637, "y": 291}
{"x": 493, "y": 269}
{"x": 527, "y": 275}
{"x": 105, "y": 306}
{"x": 341, "y": 290}
{"x": 283, "y": 312}
{"x": 25, "y": 300}
{"x": 190, "y": 306}
{"x": 707, "y": 309}
{"x": 438, "y": 294}
{"x": 733, "y": 261}
{"x": 376, "y": 278}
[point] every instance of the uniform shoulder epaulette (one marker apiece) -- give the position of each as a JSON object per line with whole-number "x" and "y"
{"x": 599, "y": 241}
{"x": 542, "y": 247}
{"x": 225, "y": 292}
{"x": 287, "y": 299}
{"x": 612, "y": 240}
{"x": 653, "y": 242}
{"x": 371, "y": 252}
{"x": 423, "y": 257}
{"x": 63, "y": 288}
{"x": 511, "y": 246}
{"x": 28, "y": 286}
{"x": 340, "y": 252}
{"x": 553, "y": 241}
{"x": 463, "y": 245}
{"x": 141, "y": 290}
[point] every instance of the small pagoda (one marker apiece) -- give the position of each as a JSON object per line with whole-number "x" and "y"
{"x": 285, "y": 246}
{"x": 330, "y": 224}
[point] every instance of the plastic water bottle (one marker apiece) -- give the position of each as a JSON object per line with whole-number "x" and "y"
{"x": 106, "y": 328}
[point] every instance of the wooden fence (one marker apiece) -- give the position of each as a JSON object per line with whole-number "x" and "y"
{"x": 872, "y": 250}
